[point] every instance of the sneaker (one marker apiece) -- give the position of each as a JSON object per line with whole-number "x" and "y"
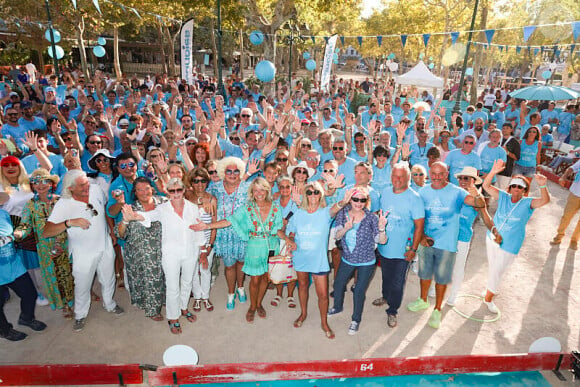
{"x": 41, "y": 301}
{"x": 432, "y": 292}
{"x": 35, "y": 325}
{"x": 242, "y": 295}
{"x": 118, "y": 311}
{"x": 13, "y": 335}
{"x": 231, "y": 302}
{"x": 418, "y": 304}
{"x": 573, "y": 246}
{"x": 379, "y": 301}
{"x": 556, "y": 241}
{"x": 435, "y": 319}
{"x": 79, "y": 325}
{"x": 491, "y": 307}
{"x": 392, "y": 320}
{"x": 333, "y": 311}
{"x": 353, "y": 328}
{"x": 451, "y": 302}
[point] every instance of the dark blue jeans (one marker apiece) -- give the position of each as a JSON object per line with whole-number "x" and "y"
{"x": 394, "y": 278}
{"x": 345, "y": 271}
{"x": 24, "y": 288}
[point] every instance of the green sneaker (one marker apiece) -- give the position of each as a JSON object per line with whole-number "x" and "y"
{"x": 435, "y": 319}
{"x": 418, "y": 305}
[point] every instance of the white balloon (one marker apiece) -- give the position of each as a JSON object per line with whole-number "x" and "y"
{"x": 180, "y": 355}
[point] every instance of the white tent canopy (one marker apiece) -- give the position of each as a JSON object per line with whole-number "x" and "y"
{"x": 420, "y": 76}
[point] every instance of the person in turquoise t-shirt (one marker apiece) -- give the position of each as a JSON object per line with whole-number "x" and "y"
{"x": 514, "y": 210}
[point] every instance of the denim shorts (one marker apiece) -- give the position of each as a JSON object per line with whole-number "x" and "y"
{"x": 436, "y": 262}
{"x": 526, "y": 171}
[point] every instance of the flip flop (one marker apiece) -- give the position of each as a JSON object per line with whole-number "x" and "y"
{"x": 298, "y": 323}
{"x": 189, "y": 316}
{"x": 174, "y": 327}
{"x": 329, "y": 334}
{"x": 250, "y": 316}
{"x": 276, "y": 301}
{"x": 197, "y": 305}
{"x": 261, "y": 312}
{"x": 291, "y": 302}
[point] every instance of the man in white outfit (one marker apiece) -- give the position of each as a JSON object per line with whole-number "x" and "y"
{"x": 81, "y": 213}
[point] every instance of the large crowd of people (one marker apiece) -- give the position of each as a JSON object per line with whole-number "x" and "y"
{"x": 153, "y": 185}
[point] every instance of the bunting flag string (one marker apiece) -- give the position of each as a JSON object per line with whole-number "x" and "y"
{"x": 454, "y": 36}
{"x": 379, "y": 40}
{"x": 96, "y": 4}
{"x": 403, "y": 40}
{"x": 528, "y": 31}
{"x": 74, "y": 3}
{"x": 489, "y": 35}
{"x": 426, "y": 39}
{"x": 359, "y": 39}
{"x": 342, "y": 40}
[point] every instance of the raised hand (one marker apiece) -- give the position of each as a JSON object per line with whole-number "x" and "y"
{"x": 497, "y": 167}
{"x": 296, "y": 195}
{"x": 253, "y": 166}
{"x": 541, "y": 179}
{"x": 199, "y": 226}
{"x": 30, "y": 140}
{"x": 406, "y": 151}
{"x": 383, "y": 215}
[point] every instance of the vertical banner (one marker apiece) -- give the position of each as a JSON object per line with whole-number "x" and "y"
{"x": 187, "y": 51}
{"x": 327, "y": 66}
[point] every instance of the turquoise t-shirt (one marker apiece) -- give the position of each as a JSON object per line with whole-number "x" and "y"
{"x": 528, "y": 154}
{"x": 511, "y": 220}
{"x": 457, "y": 160}
{"x": 311, "y": 236}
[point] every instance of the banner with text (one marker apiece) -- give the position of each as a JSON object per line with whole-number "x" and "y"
{"x": 187, "y": 51}
{"x": 327, "y": 66}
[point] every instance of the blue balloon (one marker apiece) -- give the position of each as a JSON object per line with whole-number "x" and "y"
{"x": 256, "y": 37}
{"x": 306, "y": 55}
{"x": 335, "y": 56}
{"x": 421, "y": 56}
{"x": 335, "y": 61}
{"x": 547, "y": 74}
{"x": 311, "y": 65}
{"x": 469, "y": 71}
{"x": 59, "y": 52}
{"x": 265, "y": 71}
{"x": 431, "y": 65}
{"x": 391, "y": 56}
{"x": 337, "y": 50}
{"x": 55, "y": 33}
{"x": 101, "y": 41}
{"x": 99, "y": 51}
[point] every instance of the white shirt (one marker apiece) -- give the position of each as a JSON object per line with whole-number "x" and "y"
{"x": 17, "y": 201}
{"x": 177, "y": 240}
{"x": 489, "y": 99}
{"x": 93, "y": 241}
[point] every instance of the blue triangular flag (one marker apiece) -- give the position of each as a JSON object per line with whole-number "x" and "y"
{"x": 454, "y": 36}
{"x": 536, "y": 50}
{"x": 528, "y": 31}
{"x": 576, "y": 30}
{"x": 529, "y": 50}
{"x": 507, "y": 48}
{"x": 426, "y": 39}
{"x": 403, "y": 40}
{"x": 489, "y": 35}
{"x": 122, "y": 8}
{"x": 572, "y": 47}
{"x": 359, "y": 39}
{"x": 326, "y": 39}
{"x": 518, "y": 49}
{"x": 313, "y": 39}
{"x": 342, "y": 40}
{"x": 542, "y": 48}
{"x": 136, "y": 13}
{"x": 379, "y": 40}
{"x": 96, "y": 4}
{"x": 74, "y": 3}
{"x": 500, "y": 48}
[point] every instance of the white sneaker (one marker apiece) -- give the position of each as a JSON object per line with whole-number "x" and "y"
{"x": 491, "y": 306}
{"x": 450, "y": 302}
{"x": 415, "y": 266}
{"x": 432, "y": 292}
{"x": 353, "y": 328}
{"x": 41, "y": 301}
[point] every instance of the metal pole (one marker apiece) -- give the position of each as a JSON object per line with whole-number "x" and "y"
{"x": 52, "y": 44}
{"x": 221, "y": 90}
{"x": 290, "y": 58}
{"x": 457, "y": 107}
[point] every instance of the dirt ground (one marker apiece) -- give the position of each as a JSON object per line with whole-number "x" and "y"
{"x": 540, "y": 296}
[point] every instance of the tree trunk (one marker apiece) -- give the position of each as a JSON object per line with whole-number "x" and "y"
{"x": 214, "y": 49}
{"x": 80, "y": 27}
{"x": 478, "y": 57}
{"x": 171, "y": 49}
{"x": 161, "y": 43}
{"x": 116, "y": 59}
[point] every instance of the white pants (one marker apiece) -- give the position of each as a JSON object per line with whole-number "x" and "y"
{"x": 458, "y": 269}
{"x": 83, "y": 271}
{"x": 202, "y": 278}
{"x": 178, "y": 281}
{"x": 498, "y": 261}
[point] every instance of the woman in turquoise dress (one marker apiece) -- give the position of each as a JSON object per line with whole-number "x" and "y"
{"x": 257, "y": 223}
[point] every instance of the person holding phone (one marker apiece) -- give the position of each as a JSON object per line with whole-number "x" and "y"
{"x": 257, "y": 222}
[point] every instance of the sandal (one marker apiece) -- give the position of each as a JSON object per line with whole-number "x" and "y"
{"x": 208, "y": 305}
{"x": 298, "y": 323}
{"x": 189, "y": 316}
{"x": 174, "y": 327}
{"x": 250, "y": 316}
{"x": 261, "y": 312}
{"x": 197, "y": 305}
{"x": 67, "y": 313}
{"x": 157, "y": 317}
{"x": 291, "y": 302}
{"x": 329, "y": 334}
{"x": 276, "y": 301}
{"x": 95, "y": 297}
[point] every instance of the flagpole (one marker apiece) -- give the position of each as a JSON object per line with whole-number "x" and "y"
{"x": 457, "y": 107}
{"x": 52, "y": 43}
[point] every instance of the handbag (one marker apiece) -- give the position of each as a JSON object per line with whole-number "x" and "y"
{"x": 281, "y": 268}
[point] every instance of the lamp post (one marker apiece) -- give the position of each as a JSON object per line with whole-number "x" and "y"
{"x": 289, "y": 40}
{"x": 221, "y": 90}
{"x": 457, "y": 107}
{"x": 52, "y": 44}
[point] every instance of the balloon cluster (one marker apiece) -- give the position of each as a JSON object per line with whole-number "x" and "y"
{"x": 58, "y": 50}
{"x": 99, "y": 50}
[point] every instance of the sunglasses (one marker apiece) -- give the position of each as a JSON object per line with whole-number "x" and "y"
{"x": 127, "y": 165}
{"x": 232, "y": 171}
{"x": 328, "y": 171}
{"x": 11, "y": 114}
{"x": 234, "y": 139}
{"x": 359, "y": 200}
{"x": 95, "y": 142}
{"x": 90, "y": 123}
{"x": 314, "y": 192}
{"x": 176, "y": 190}
{"x": 281, "y": 160}
{"x": 245, "y": 115}
{"x": 469, "y": 142}
{"x": 302, "y": 171}
{"x": 104, "y": 160}
{"x": 338, "y": 148}
{"x": 418, "y": 174}
{"x": 10, "y": 165}
{"x": 305, "y": 124}
{"x": 197, "y": 181}
{"x": 212, "y": 172}
{"x": 284, "y": 187}
{"x": 359, "y": 141}
{"x": 444, "y": 136}
{"x": 464, "y": 177}
{"x": 517, "y": 186}
{"x": 92, "y": 209}
{"x": 306, "y": 146}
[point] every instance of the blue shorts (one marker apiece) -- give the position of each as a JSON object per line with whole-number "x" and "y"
{"x": 436, "y": 262}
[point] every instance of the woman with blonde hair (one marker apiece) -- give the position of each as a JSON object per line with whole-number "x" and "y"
{"x": 307, "y": 236}
{"x": 257, "y": 223}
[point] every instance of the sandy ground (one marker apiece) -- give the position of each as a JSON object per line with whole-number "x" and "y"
{"x": 540, "y": 296}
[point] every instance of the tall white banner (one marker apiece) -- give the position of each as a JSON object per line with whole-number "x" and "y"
{"x": 187, "y": 51}
{"x": 328, "y": 54}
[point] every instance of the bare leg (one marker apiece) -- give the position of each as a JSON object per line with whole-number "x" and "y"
{"x": 321, "y": 286}
{"x": 254, "y": 291}
{"x": 262, "y": 287}
{"x": 439, "y": 294}
{"x": 425, "y": 284}
{"x": 230, "y": 273}
{"x": 291, "y": 287}
{"x": 240, "y": 276}
{"x": 335, "y": 257}
{"x": 303, "y": 279}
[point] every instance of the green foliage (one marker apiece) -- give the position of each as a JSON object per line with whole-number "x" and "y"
{"x": 14, "y": 53}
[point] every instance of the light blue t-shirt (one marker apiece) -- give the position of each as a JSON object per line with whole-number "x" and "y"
{"x": 404, "y": 208}
{"x": 311, "y": 236}
{"x": 466, "y": 218}
{"x": 566, "y": 119}
{"x": 511, "y": 220}
{"x": 528, "y": 154}
{"x": 457, "y": 160}
{"x": 347, "y": 169}
{"x": 36, "y": 123}
{"x": 442, "y": 208}
{"x": 489, "y": 155}
{"x": 548, "y": 115}
{"x": 381, "y": 177}
{"x": 419, "y": 154}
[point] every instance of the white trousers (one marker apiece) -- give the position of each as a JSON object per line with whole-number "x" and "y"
{"x": 498, "y": 261}
{"x": 458, "y": 269}
{"x": 202, "y": 278}
{"x": 178, "y": 282}
{"x": 83, "y": 271}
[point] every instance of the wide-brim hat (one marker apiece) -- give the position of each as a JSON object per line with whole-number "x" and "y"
{"x": 101, "y": 152}
{"x": 471, "y": 172}
{"x": 41, "y": 174}
{"x": 301, "y": 164}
